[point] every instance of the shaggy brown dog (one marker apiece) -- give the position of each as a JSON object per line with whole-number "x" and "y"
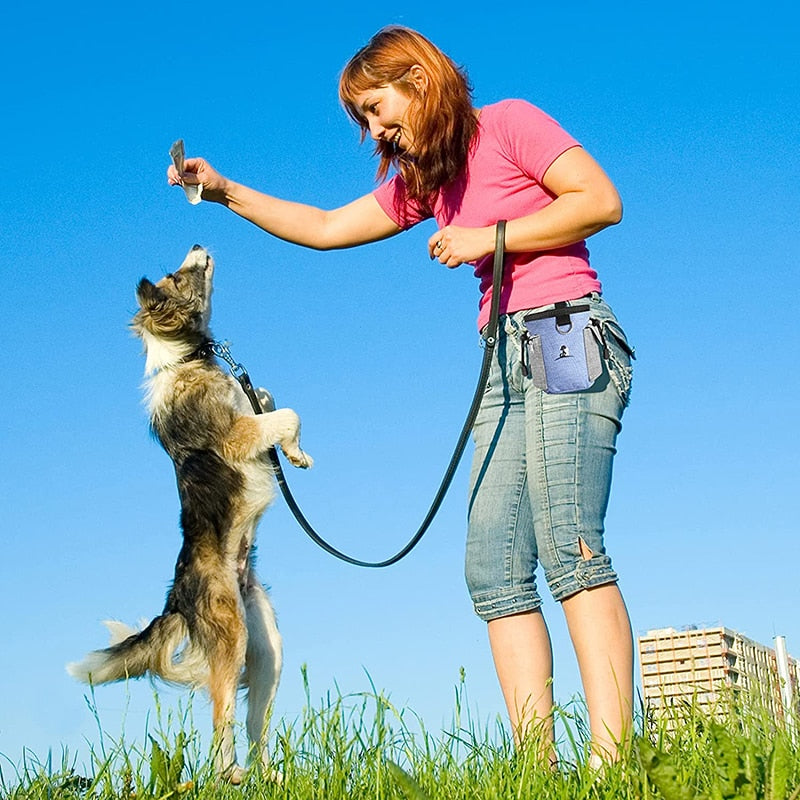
{"x": 218, "y": 627}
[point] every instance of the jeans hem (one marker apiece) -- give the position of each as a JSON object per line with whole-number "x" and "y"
{"x": 588, "y": 574}
{"x": 498, "y": 606}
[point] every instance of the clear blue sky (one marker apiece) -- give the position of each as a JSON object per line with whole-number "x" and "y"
{"x": 691, "y": 108}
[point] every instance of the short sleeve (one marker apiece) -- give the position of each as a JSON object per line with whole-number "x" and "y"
{"x": 532, "y": 138}
{"x": 394, "y": 201}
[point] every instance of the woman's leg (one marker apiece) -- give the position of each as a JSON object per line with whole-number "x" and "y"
{"x": 501, "y": 554}
{"x": 601, "y": 635}
{"x": 571, "y": 444}
{"x": 524, "y": 664}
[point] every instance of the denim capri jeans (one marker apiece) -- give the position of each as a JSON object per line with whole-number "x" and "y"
{"x": 541, "y": 476}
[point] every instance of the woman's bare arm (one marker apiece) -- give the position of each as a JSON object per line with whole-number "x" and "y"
{"x": 358, "y": 222}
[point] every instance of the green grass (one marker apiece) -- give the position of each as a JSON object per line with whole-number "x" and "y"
{"x": 362, "y": 746}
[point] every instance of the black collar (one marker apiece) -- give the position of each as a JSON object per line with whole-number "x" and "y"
{"x": 203, "y": 352}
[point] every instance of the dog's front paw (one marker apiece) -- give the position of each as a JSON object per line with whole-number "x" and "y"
{"x": 298, "y": 458}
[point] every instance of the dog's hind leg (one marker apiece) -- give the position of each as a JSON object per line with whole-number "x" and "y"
{"x": 264, "y": 661}
{"x": 225, "y": 638}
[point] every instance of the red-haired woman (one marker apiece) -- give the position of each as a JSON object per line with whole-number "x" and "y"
{"x": 541, "y": 471}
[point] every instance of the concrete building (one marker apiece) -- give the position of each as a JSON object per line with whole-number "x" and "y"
{"x": 697, "y": 666}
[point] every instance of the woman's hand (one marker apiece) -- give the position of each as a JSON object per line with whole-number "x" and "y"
{"x": 453, "y": 245}
{"x": 197, "y": 170}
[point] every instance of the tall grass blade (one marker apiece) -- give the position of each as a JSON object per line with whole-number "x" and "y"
{"x": 663, "y": 772}
{"x": 411, "y": 789}
{"x": 778, "y": 765}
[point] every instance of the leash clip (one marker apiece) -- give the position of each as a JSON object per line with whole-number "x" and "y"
{"x": 260, "y": 399}
{"x": 222, "y": 350}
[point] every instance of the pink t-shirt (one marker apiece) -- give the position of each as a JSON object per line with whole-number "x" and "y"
{"x": 516, "y": 145}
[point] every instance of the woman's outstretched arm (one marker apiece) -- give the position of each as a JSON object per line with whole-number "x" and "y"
{"x": 358, "y": 222}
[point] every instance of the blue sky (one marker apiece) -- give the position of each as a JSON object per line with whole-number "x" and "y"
{"x": 692, "y": 109}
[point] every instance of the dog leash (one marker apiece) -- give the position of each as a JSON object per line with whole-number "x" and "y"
{"x": 261, "y": 405}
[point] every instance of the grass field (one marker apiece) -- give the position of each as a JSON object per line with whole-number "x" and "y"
{"x": 361, "y": 746}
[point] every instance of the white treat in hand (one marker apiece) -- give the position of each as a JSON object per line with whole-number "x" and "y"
{"x": 194, "y": 191}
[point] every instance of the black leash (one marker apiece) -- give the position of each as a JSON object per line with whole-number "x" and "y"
{"x": 489, "y": 338}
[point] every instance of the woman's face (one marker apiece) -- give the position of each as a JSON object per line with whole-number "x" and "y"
{"x": 385, "y": 110}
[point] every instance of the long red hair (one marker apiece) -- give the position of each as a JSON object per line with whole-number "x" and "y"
{"x": 441, "y": 113}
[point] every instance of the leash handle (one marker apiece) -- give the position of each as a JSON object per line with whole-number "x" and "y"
{"x": 490, "y": 336}
{"x": 490, "y": 339}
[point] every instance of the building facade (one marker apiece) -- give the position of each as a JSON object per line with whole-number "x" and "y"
{"x": 696, "y": 667}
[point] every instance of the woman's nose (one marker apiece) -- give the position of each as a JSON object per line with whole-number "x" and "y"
{"x": 375, "y": 129}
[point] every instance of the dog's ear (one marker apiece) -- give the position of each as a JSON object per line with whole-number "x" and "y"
{"x": 148, "y": 294}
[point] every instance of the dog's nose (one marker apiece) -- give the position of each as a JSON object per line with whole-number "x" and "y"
{"x": 197, "y": 247}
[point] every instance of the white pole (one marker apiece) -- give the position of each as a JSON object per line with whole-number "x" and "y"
{"x": 787, "y": 695}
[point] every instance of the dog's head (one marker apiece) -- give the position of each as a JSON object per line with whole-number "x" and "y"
{"x": 178, "y": 307}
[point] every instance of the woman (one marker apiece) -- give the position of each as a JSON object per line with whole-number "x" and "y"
{"x": 542, "y": 466}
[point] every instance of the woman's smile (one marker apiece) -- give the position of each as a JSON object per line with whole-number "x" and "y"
{"x": 385, "y": 110}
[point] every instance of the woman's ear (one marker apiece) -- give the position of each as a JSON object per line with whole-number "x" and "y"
{"x": 418, "y": 78}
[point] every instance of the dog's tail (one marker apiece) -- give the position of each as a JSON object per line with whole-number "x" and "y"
{"x": 162, "y": 649}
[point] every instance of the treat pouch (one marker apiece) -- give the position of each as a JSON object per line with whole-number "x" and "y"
{"x": 560, "y": 349}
